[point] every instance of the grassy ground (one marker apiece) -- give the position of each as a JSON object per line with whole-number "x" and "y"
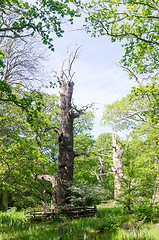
{"x": 109, "y": 223}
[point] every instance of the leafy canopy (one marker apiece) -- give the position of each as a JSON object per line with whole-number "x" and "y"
{"x": 135, "y": 23}
{"x": 139, "y": 107}
{"x": 20, "y": 19}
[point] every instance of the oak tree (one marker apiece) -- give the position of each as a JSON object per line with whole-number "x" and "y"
{"x": 69, "y": 112}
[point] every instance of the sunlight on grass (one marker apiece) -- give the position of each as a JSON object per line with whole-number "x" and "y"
{"x": 109, "y": 223}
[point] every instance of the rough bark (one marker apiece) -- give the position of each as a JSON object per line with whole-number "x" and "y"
{"x": 66, "y": 155}
{"x": 65, "y": 143}
{"x": 117, "y": 165}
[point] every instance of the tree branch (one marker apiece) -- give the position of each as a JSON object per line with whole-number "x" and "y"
{"x": 71, "y": 60}
{"x": 76, "y": 154}
{"x": 111, "y": 34}
{"x": 56, "y": 129}
{"x": 49, "y": 178}
{"x": 131, "y": 72}
{"x": 78, "y": 112}
{"x": 156, "y": 7}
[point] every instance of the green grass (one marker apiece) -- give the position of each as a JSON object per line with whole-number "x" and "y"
{"x": 109, "y": 223}
{"x": 146, "y": 232}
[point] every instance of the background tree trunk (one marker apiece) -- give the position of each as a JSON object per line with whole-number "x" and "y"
{"x": 117, "y": 166}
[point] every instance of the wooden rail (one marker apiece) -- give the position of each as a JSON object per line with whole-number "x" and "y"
{"x": 73, "y": 212}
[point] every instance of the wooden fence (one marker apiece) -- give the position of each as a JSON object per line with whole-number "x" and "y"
{"x": 72, "y": 212}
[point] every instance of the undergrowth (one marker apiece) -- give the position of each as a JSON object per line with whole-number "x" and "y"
{"x": 109, "y": 223}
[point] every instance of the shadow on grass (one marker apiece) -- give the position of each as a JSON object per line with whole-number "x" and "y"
{"x": 69, "y": 230}
{"x": 101, "y": 226}
{"x": 30, "y": 232}
{"x": 108, "y": 224}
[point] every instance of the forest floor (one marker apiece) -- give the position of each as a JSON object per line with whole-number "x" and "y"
{"x": 111, "y": 222}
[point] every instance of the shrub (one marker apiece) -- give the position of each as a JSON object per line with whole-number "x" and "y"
{"x": 143, "y": 210}
{"x": 12, "y": 218}
{"x": 87, "y": 195}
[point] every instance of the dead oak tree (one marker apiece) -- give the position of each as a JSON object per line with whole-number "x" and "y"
{"x": 66, "y": 154}
{"x": 69, "y": 112}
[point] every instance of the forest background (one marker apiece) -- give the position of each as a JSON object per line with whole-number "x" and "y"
{"x": 30, "y": 117}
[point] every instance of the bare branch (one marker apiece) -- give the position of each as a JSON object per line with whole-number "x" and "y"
{"x": 58, "y": 77}
{"x": 71, "y": 60}
{"x": 97, "y": 176}
{"x": 140, "y": 222}
{"x": 156, "y": 7}
{"x": 130, "y": 72}
{"x": 78, "y": 112}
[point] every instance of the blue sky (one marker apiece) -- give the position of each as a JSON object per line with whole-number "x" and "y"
{"x": 98, "y": 77}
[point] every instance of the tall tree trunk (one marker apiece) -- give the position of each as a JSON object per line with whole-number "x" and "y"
{"x": 117, "y": 165}
{"x": 66, "y": 154}
{"x": 65, "y": 144}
